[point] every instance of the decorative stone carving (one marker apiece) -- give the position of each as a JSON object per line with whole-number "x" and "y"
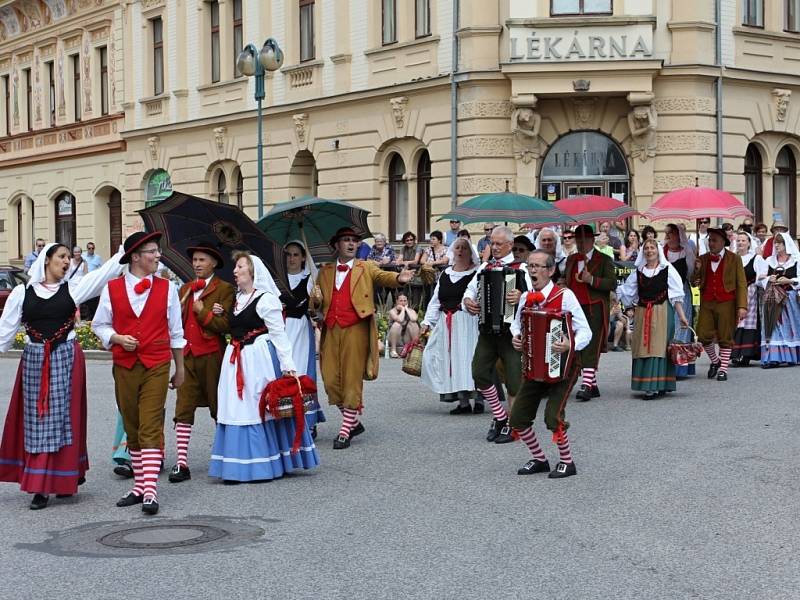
{"x": 341, "y": 126}
{"x": 685, "y": 142}
{"x": 15, "y": 90}
{"x": 152, "y": 144}
{"x": 219, "y": 138}
{"x": 148, "y": 4}
{"x": 62, "y": 100}
{"x": 399, "y": 106}
{"x": 781, "y": 102}
{"x": 484, "y": 146}
{"x": 86, "y": 67}
{"x": 643, "y": 122}
{"x": 679, "y": 105}
{"x": 37, "y": 86}
{"x": 501, "y": 109}
{"x": 584, "y": 111}
{"x": 469, "y": 186}
{"x": 525, "y": 124}
{"x": 665, "y": 183}
{"x": 112, "y": 85}
{"x": 300, "y": 127}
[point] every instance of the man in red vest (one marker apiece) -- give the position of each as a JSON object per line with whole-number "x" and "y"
{"x": 205, "y": 340}
{"x": 723, "y": 300}
{"x": 139, "y": 320}
{"x": 345, "y": 293}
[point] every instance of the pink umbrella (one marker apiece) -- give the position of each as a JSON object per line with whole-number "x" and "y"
{"x": 590, "y": 209}
{"x": 692, "y": 203}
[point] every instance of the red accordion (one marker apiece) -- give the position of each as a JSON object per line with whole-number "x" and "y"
{"x": 540, "y": 329}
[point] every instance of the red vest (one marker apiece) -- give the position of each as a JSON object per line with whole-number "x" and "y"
{"x": 196, "y": 343}
{"x": 551, "y": 303}
{"x": 341, "y": 311}
{"x": 580, "y": 289}
{"x": 150, "y": 328}
{"x": 714, "y": 290}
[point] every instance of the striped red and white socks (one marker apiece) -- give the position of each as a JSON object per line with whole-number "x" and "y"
{"x": 528, "y": 436}
{"x": 711, "y": 351}
{"x": 564, "y": 450}
{"x": 349, "y": 421}
{"x": 151, "y": 464}
{"x": 138, "y": 479}
{"x": 724, "y": 359}
{"x": 183, "y": 433}
{"x": 589, "y": 377}
{"x": 493, "y": 399}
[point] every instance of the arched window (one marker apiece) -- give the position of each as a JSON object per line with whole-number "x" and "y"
{"x": 423, "y": 196}
{"x": 583, "y": 163}
{"x": 221, "y": 189}
{"x": 752, "y": 181}
{"x": 784, "y": 185}
{"x": 398, "y": 199}
{"x": 65, "y": 219}
{"x": 239, "y": 188}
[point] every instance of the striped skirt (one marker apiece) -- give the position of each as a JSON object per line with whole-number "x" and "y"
{"x": 784, "y": 341}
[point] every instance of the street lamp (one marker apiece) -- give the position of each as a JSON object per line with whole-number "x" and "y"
{"x": 253, "y": 63}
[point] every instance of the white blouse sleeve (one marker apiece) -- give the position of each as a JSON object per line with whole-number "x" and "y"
{"x": 270, "y": 310}
{"x": 675, "y": 286}
{"x": 433, "y": 311}
{"x": 90, "y": 285}
{"x": 629, "y": 290}
{"x": 12, "y": 317}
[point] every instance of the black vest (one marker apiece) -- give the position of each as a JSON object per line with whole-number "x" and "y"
{"x": 655, "y": 289}
{"x": 451, "y": 294}
{"x": 682, "y": 268}
{"x": 296, "y": 303}
{"x": 43, "y": 319}
{"x": 245, "y": 322}
{"x": 791, "y": 272}
{"x": 750, "y": 271}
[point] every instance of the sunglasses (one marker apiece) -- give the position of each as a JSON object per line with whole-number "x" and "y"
{"x": 567, "y": 237}
{"x": 705, "y": 222}
{"x": 519, "y": 249}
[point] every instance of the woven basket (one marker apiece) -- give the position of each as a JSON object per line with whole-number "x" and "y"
{"x": 412, "y": 357}
{"x": 682, "y": 353}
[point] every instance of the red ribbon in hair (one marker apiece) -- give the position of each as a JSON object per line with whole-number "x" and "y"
{"x": 142, "y": 286}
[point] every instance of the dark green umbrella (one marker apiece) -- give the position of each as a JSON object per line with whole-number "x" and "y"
{"x": 313, "y": 221}
{"x": 505, "y": 207}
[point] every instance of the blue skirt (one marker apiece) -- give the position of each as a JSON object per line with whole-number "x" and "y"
{"x": 784, "y": 343}
{"x": 259, "y": 452}
{"x": 685, "y": 335}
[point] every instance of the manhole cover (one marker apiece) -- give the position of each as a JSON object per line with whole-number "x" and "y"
{"x": 157, "y": 536}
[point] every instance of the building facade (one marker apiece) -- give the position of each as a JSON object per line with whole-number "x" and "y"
{"x": 628, "y": 98}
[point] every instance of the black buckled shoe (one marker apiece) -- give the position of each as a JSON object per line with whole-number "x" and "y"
{"x": 595, "y": 391}
{"x": 563, "y": 470}
{"x": 341, "y": 442}
{"x": 357, "y": 430}
{"x": 584, "y": 394}
{"x": 494, "y": 429}
{"x": 124, "y": 470}
{"x": 478, "y": 408}
{"x": 505, "y": 436}
{"x": 130, "y": 499}
{"x": 462, "y": 410}
{"x": 150, "y": 506}
{"x": 179, "y": 473}
{"x": 39, "y": 501}
{"x": 722, "y": 376}
{"x": 534, "y": 466}
{"x": 649, "y": 396}
{"x": 713, "y": 370}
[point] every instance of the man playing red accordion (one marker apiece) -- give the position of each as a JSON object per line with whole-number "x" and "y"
{"x": 548, "y": 297}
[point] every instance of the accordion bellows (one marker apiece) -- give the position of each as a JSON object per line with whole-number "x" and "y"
{"x": 496, "y": 314}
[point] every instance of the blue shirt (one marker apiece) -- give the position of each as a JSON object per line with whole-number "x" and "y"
{"x": 379, "y": 255}
{"x": 450, "y": 236}
{"x": 93, "y": 261}
{"x": 482, "y": 243}
{"x": 30, "y": 259}
{"x": 363, "y": 251}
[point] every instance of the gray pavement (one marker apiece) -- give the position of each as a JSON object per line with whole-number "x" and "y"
{"x": 692, "y": 496}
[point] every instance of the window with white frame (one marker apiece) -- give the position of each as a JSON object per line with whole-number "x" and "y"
{"x": 388, "y": 21}
{"x": 793, "y": 16}
{"x": 222, "y": 187}
{"x": 158, "y": 56}
{"x": 76, "y": 87}
{"x": 7, "y": 104}
{"x": 306, "y": 30}
{"x": 422, "y": 15}
{"x": 50, "y": 69}
{"x": 753, "y": 13}
{"x": 214, "y": 42}
{"x": 29, "y": 98}
{"x": 102, "y": 55}
{"x": 238, "y": 35}
{"x": 581, "y": 7}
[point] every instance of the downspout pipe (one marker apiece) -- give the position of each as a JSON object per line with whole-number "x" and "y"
{"x": 718, "y": 85}
{"x": 454, "y": 110}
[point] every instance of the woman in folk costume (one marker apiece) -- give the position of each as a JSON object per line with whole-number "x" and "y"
{"x": 780, "y": 335}
{"x": 747, "y": 337}
{"x": 655, "y": 287}
{"x": 245, "y": 447}
{"x": 446, "y": 362}
{"x": 44, "y": 439}
{"x": 302, "y": 274}
{"x": 681, "y": 255}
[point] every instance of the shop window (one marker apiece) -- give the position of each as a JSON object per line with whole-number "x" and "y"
{"x": 580, "y": 7}
{"x": 398, "y": 198}
{"x": 752, "y": 181}
{"x": 65, "y": 219}
{"x": 423, "y": 196}
{"x": 389, "y": 21}
{"x": 784, "y": 184}
{"x": 307, "y": 51}
{"x": 793, "y": 16}
{"x": 422, "y": 26}
{"x": 159, "y": 187}
{"x": 753, "y": 13}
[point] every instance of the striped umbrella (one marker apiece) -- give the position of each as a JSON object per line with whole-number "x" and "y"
{"x": 692, "y": 203}
{"x": 313, "y": 221}
{"x": 591, "y": 209}
{"x": 505, "y": 207}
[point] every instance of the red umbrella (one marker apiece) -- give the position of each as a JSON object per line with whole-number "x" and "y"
{"x": 696, "y": 203}
{"x": 590, "y": 209}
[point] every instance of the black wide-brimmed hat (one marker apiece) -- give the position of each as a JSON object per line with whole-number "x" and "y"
{"x": 135, "y": 241}
{"x": 207, "y": 249}
{"x": 585, "y": 230}
{"x": 721, "y": 233}
{"x": 343, "y": 231}
{"x": 525, "y": 241}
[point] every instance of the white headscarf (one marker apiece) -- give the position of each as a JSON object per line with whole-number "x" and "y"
{"x": 262, "y": 279}
{"x": 37, "y": 272}
{"x": 538, "y": 246}
{"x": 791, "y": 250}
{"x": 753, "y": 246}
{"x": 688, "y": 249}
{"x": 311, "y": 267}
{"x": 641, "y": 262}
{"x": 476, "y": 260}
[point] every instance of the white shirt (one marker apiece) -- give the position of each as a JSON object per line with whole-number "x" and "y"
{"x": 569, "y": 303}
{"x": 342, "y": 275}
{"x": 715, "y": 265}
{"x": 101, "y": 325}
{"x": 588, "y": 255}
{"x": 472, "y": 287}
{"x": 88, "y": 287}
{"x": 629, "y": 290}
{"x": 270, "y": 309}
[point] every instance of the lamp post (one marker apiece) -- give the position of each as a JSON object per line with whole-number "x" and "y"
{"x": 253, "y": 63}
